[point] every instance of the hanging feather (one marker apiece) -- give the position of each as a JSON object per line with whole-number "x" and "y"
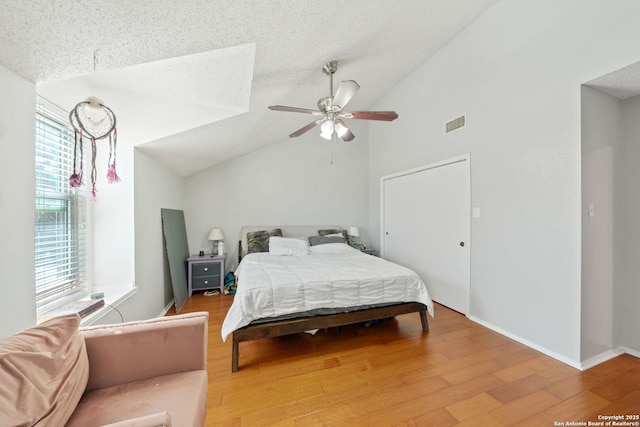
{"x": 112, "y": 176}
{"x": 94, "y": 172}
{"x": 75, "y": 180}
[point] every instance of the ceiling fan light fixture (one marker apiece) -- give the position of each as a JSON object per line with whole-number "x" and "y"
{"x": 331, "y": 108}
{"x": 340, "y": 129}
{"x": 326, "y": 129}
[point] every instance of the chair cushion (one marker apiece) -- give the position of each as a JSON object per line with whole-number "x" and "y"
{"x": 182, "y": 395}
{"x": 43, "y": 371}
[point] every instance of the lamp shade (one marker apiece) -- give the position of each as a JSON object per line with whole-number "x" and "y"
{"x": 340, "y": 129}
{"x": 353, "y": 231}
{"x": 216, "y": 234}
{"x": 326, "y": 129}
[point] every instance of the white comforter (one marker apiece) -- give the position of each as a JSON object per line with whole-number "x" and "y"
{"x": 272, "y": 285}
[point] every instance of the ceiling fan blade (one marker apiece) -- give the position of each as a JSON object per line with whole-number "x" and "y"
{"x": 345, "y": 92}
{"x": 371, "y": 115}
{"x": 294, "y": 109}
{"x": 304, "y": 129}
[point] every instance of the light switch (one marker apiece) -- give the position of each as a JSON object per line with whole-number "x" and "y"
{"x": 591, "y": 211}
{"x": 476, "y": 212}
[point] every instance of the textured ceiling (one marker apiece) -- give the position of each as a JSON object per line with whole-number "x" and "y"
{"x": 190, "y": 81}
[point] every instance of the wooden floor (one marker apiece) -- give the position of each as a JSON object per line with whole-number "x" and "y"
{"x": 392, "y": 374}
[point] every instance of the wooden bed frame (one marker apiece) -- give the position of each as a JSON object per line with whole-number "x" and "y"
{"x": 293, "y": 326}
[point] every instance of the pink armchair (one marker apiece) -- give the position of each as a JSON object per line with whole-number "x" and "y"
{"x": 146, "y": 373}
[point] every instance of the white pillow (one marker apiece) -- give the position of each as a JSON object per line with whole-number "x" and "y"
{"x": 332, "y": 248}
{"x": 288, "y": 246}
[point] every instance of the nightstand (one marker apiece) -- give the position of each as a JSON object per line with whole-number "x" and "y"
{"x": 205, "y": 272}
{"x": 369, "y": 251}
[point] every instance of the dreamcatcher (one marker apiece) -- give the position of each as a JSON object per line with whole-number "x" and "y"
{"x": 93, "y": 120}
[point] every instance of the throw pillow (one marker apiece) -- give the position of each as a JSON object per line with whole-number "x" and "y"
{"x": 344, "y": 233}
{"x": 43, "y": 371}
{"x": 258, "y": 241}
{"x": 323, "y": 240}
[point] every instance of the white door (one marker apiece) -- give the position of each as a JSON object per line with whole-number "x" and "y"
{"x": 426, "y": 227}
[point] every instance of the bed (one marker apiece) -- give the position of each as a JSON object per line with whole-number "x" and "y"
{"x": 294, "y": 286}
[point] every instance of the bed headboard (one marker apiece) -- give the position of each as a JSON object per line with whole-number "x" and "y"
{"x": 287, "y": 231}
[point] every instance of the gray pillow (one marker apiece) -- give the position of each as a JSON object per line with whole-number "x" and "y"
{"x": 258, "y": 241}
{"x": 323, "y": 240}
{"x": 336, "y": 231}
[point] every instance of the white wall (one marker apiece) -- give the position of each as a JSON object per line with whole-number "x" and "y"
{"x": 17, "y": 202}
{"x": 516, "y": 74}
{"x": 629, "y": 233}
{"x": 294, "y": 182}
{"x": 155, "y": 188}
{"x": 601, "y": 145}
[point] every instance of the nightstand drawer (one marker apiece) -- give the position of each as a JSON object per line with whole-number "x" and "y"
{"x": 206, "y": 269}
{"x": 205, "y": 282}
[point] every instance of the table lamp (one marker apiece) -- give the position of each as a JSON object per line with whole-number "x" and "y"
{"x": 216, "y": 236}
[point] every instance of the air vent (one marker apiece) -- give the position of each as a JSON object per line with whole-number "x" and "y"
{"x": 454, "y": 124}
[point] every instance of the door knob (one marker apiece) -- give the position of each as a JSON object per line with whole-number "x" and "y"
{"x": 461, "y": 243}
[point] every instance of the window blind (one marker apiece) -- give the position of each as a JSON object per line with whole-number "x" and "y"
{"x": 60, "y": 234}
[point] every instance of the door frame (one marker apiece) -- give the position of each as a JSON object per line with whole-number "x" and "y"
{"x": 452, "y": 160}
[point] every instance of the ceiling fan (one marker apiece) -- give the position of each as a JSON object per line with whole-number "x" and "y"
{"x": 331, "y": 110}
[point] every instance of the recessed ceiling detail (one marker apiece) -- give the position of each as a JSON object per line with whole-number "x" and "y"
{"x": 217, "y": 78}
{"x": 172, "y": 95}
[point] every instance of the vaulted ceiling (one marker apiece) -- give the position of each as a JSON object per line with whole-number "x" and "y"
{"x": 190, "y": 81}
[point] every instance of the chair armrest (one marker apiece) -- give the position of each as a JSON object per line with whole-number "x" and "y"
{"x": 145, "y": 349}
{"x": 162, "y": 419}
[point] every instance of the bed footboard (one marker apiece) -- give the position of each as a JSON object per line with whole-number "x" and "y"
{"x": 294, "y": 326}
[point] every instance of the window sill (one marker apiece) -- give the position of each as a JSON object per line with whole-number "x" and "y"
{"x": 113, "y": 296}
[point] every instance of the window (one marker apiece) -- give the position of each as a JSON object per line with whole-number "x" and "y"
{"x": 60, "y": 244}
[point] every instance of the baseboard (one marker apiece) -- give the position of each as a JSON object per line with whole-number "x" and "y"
{"x": 546, "y": 351}
{"x": 634, "y": 353}
{"x": 601, "y": 358}
{"x": 167, "y": 308}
